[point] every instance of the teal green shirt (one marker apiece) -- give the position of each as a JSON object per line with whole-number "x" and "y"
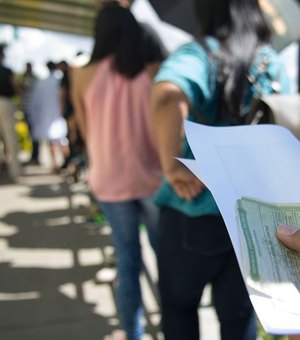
{"x": 195, "y": 73}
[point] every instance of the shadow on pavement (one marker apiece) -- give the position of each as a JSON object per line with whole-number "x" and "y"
{"x": 48, "y": 262}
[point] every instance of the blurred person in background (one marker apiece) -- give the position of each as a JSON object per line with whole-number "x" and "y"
{"x": 211, "y": 80}
{"x": 45, "y": 116}
{"x": 112, "y": 97}
{"x": 27, "y": 83}
{"x": 75, "y": 142}
{"x": 8, "y": 89}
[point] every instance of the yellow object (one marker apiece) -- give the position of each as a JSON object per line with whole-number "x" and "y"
{"x": 23, "y": 134}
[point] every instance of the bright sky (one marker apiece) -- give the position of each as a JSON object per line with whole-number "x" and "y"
{"x": 39, "y": 46}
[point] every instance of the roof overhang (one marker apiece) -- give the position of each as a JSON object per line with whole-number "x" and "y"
{"x": 68, "y": 16}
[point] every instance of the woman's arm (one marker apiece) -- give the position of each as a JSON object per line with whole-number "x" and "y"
{"x": 169, "y": 106}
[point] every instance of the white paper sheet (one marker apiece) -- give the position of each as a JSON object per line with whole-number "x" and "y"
{"x": 261, "y": 161}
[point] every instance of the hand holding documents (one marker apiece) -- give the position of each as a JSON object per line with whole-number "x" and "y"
{"x": 253, "y": 173}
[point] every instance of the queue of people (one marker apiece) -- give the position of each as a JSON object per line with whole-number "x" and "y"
{"x": 199, "y": 82}
{"x": 129, "y": 103}
{"x": 46, "y": 109}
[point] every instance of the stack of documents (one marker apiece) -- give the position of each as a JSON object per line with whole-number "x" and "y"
{"x": 253, "y": 173}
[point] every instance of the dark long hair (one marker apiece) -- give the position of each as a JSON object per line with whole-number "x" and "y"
{"x": 240, "y": 27}
{"x": 118, "y": 34}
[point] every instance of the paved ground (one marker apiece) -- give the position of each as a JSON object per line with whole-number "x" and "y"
{"x": 49, "y": 257}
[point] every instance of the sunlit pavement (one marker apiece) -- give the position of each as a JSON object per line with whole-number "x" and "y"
{"x": 49, "y": 258}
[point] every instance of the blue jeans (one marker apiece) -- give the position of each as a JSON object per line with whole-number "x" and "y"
{"x": 125, "y": 218}
{"x": 195, "y": 251}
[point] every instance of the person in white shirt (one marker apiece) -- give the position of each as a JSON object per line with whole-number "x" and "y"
{"x": 45, "y": 115}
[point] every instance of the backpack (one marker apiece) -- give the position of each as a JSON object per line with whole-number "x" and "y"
{"x": 272, "y": 107}
{"x": 277, "y": 109}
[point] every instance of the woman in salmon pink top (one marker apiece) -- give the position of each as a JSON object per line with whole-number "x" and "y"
{"x": 112, "y": 99}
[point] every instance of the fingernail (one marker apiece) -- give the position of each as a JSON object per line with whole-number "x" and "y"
{"x": 287, "y": 230}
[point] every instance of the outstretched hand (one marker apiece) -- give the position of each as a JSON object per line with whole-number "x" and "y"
{"x": 185, "y": 184}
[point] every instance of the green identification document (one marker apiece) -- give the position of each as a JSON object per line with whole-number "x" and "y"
{"x": 268, "y": 264}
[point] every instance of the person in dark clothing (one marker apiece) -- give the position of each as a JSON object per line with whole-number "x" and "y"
{"x": 206, "y": 80}
{"x": 76, "y": 145}
{"x": 66, "y": 102}
{"x": 8, "y": 88}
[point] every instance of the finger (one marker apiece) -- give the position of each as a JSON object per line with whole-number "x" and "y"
{"x": 289, "y": 236}
{"x": 194, "y": 189}
{"x": 188, "y": 190}
{"x": 200, "y": 187}
{"x": 191, "y": 189}
{"x": 183, "y": 192}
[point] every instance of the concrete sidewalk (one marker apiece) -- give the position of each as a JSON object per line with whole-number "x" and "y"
{"x": 49, "y": 257}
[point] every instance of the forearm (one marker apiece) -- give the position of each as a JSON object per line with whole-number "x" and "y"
{"x": 167, "y": 110}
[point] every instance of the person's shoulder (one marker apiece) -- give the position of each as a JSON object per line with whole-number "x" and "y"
{"x": 91, "y": 67}
{"x": 83, "y": 71}
{"x": 190, "y": 48}
{"x": 196, "y": 49}
{"x": 187, "y": 59}
{"x": 81, "y": 77}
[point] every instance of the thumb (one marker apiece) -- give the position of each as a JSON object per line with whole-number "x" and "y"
{"x": 289, "y": 236}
